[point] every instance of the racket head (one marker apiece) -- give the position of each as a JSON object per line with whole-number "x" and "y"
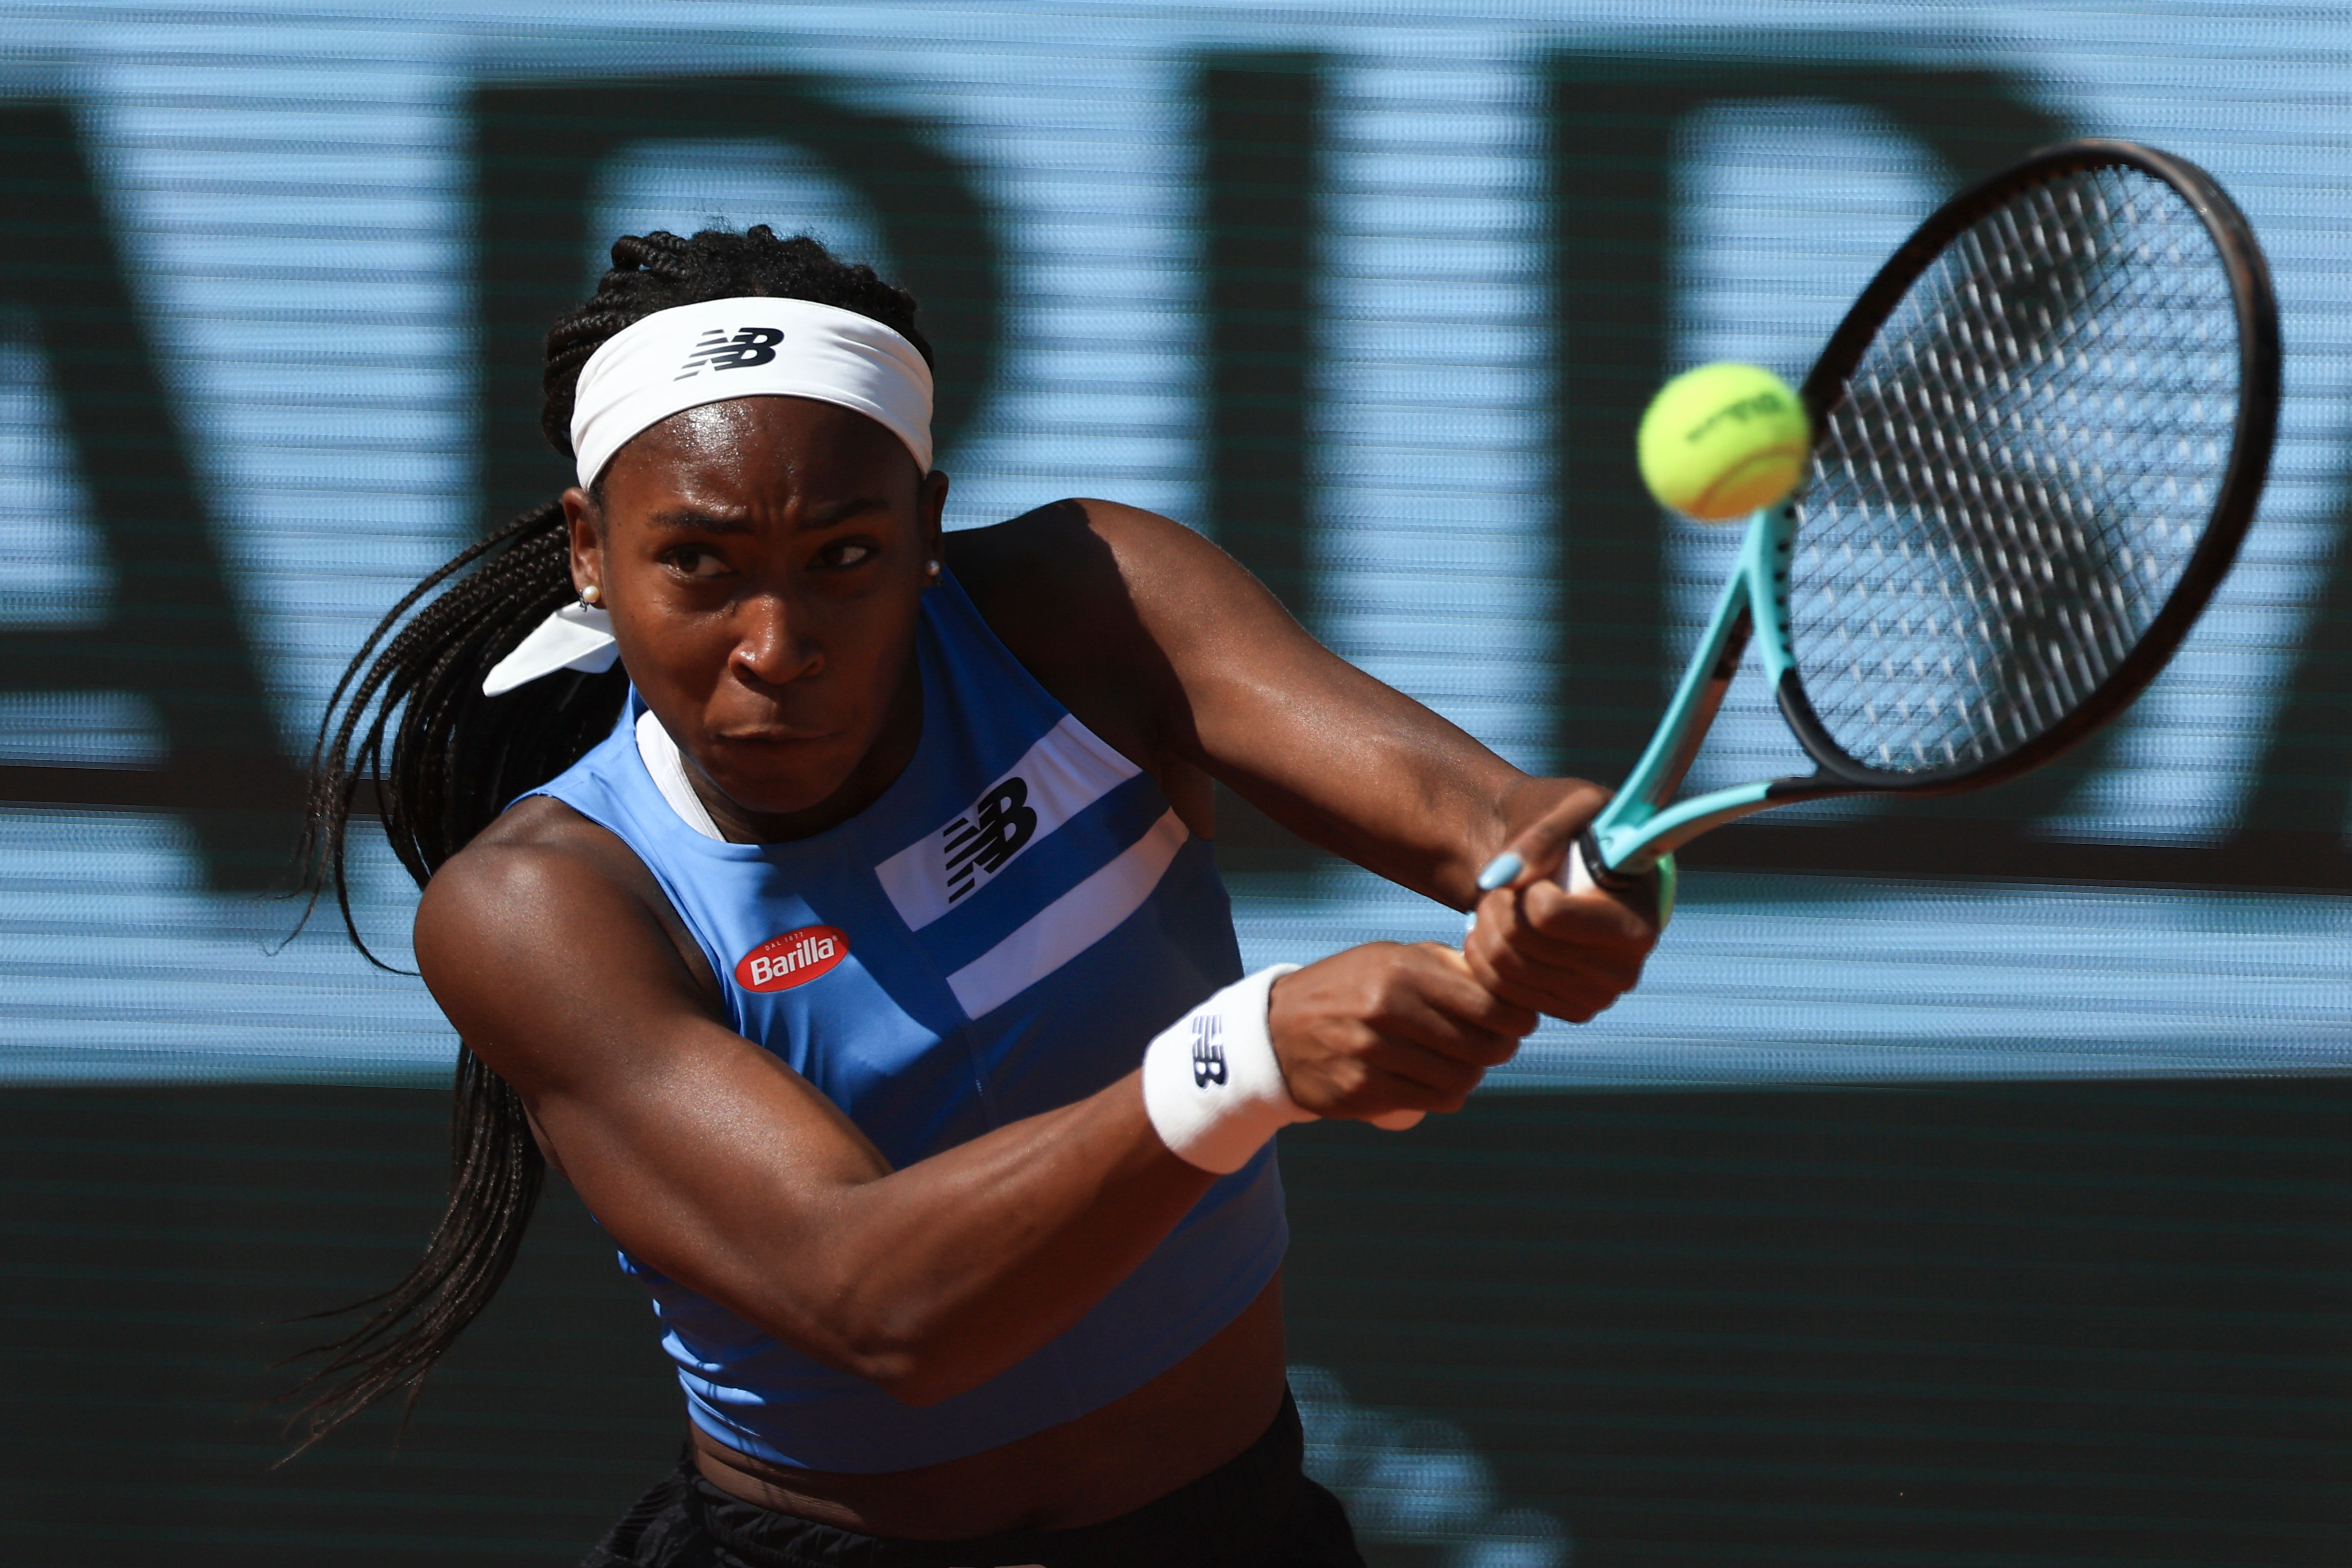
{"x": 2049, "y": 416}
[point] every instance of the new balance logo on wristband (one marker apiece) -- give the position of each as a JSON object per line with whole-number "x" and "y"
{"x": 1212, "y": 1084}
{"x": 717, "y": 351}
{"x": 1208, "y": 1050}
{"x": 998, "y": 827}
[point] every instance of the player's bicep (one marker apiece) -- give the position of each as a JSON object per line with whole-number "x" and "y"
{"x": 1349, "y": 762}
{"x": 1167, "y": 647}
{"x": 1240, "y": 681}
{"x": 699, "y": 1152}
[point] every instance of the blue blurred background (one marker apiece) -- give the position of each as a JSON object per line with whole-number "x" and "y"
{"x": 1372, "y": 295}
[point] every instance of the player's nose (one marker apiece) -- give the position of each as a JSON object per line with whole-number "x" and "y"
{"x": 773, "y": 644}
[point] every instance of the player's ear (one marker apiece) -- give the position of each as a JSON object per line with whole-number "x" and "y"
{"x": 932, "y": 504}
{"x": 931, "y": 509}
{"x": 583, "y": 525}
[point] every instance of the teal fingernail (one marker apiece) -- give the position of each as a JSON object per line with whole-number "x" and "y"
{"x": 1470, "y": 923}
{"x": 1499, "y": 870}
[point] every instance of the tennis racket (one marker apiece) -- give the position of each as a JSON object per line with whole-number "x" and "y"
{"x": 2038, "y": 440}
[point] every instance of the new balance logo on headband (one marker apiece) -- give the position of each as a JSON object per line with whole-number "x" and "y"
{"x": 717, "y": 351}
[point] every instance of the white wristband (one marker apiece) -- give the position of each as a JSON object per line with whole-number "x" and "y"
{"x": 1210, "y": 1083}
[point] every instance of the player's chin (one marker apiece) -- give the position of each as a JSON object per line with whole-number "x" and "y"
{"x": 776, "y": 776}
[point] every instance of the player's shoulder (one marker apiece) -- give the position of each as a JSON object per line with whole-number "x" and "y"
{"x": 1071, "y": 546}
{"x": 537, "y": 835}
{"x": 1082, "y": 592}
{"x": 539, "y": 866}
{"x": 552, "y": 950}
{"x": 1097, "y": 575}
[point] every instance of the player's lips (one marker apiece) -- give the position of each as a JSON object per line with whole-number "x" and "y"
{"x": 776, "y": 735}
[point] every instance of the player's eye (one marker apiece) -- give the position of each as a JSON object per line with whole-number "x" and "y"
{"x": 845, "y": 552}
{"x": 695, "y": 561}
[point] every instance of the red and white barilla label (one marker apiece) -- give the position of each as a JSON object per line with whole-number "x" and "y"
{"x": 792, "y": 959}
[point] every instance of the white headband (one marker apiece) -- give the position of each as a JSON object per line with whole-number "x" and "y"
{"x": 714, "y": 353}
{"x": 725, "y": 349}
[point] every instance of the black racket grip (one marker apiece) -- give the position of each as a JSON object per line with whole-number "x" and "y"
{"x": 1587, "y": 872}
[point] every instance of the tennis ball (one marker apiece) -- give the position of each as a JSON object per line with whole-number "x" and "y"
{"x": 1719, "y": 441}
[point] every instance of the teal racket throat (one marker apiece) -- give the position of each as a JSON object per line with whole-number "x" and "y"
{"x": 1642, "y": 824}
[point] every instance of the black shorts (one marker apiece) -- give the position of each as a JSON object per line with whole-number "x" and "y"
{"x": 1257, "y": 1510}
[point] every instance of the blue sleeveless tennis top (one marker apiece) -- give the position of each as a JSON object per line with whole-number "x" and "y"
{"x": 1001, "y": 933}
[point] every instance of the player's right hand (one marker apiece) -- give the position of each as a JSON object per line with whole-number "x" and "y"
{"x": 1387, "y": 1027}
{"x": 1542, "y": 945}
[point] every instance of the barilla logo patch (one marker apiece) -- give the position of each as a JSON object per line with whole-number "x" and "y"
{"x": 792, "y": 959}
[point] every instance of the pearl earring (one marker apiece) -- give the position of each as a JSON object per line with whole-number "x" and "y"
{"x": 934, "y": 568}
{"x": 591, "y": 594}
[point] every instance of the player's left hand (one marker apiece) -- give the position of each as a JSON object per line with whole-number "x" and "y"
{"x": 1538, "y": 945}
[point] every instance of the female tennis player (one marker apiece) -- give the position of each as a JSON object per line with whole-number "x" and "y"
{"x": 855, "y": 945}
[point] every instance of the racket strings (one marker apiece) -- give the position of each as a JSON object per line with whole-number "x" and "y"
{"x": 2022, "y": 464}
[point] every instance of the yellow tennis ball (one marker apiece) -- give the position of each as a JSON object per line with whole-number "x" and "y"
{"x": 1719, "y": 441}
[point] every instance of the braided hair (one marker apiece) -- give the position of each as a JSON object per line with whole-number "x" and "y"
{"x": 455, "y": 758}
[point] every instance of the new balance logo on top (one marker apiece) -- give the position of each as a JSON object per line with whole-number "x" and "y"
{"x": 717, "y": 351}
{"x": 946, "y": 868}
{"x": 1208, "y": 1052}
{"x": 992, "y": 833}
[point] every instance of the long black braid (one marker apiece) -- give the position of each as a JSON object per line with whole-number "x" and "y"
{"x": 455, "y": 758}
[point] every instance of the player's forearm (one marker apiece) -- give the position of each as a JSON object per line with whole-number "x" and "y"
{"x": 1428, "y": 812}
{"x": 1518, "y": 807}
{"x": 1372, "y": 776}
{"x": 933, "y": 1278}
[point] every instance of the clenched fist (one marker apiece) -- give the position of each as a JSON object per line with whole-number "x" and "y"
{"x": 1538, "y": 945}
{"x": 1390, "y": 1028}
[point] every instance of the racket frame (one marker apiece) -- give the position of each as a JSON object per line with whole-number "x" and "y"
{"x": 2253, "y": 433}
{"x": 1642, "y": 824}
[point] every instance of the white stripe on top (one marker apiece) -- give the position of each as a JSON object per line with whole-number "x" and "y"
{"x": 1066, "y": 771}
{"x": 661, "y": 758}
{"x": 1071, "y": 923}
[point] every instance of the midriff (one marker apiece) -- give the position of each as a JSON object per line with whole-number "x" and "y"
{"x": 1176, "y": 1428}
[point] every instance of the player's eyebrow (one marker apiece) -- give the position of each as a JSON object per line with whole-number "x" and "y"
{"x": 842, "y": 511}
{"x": 686, "y": 519}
